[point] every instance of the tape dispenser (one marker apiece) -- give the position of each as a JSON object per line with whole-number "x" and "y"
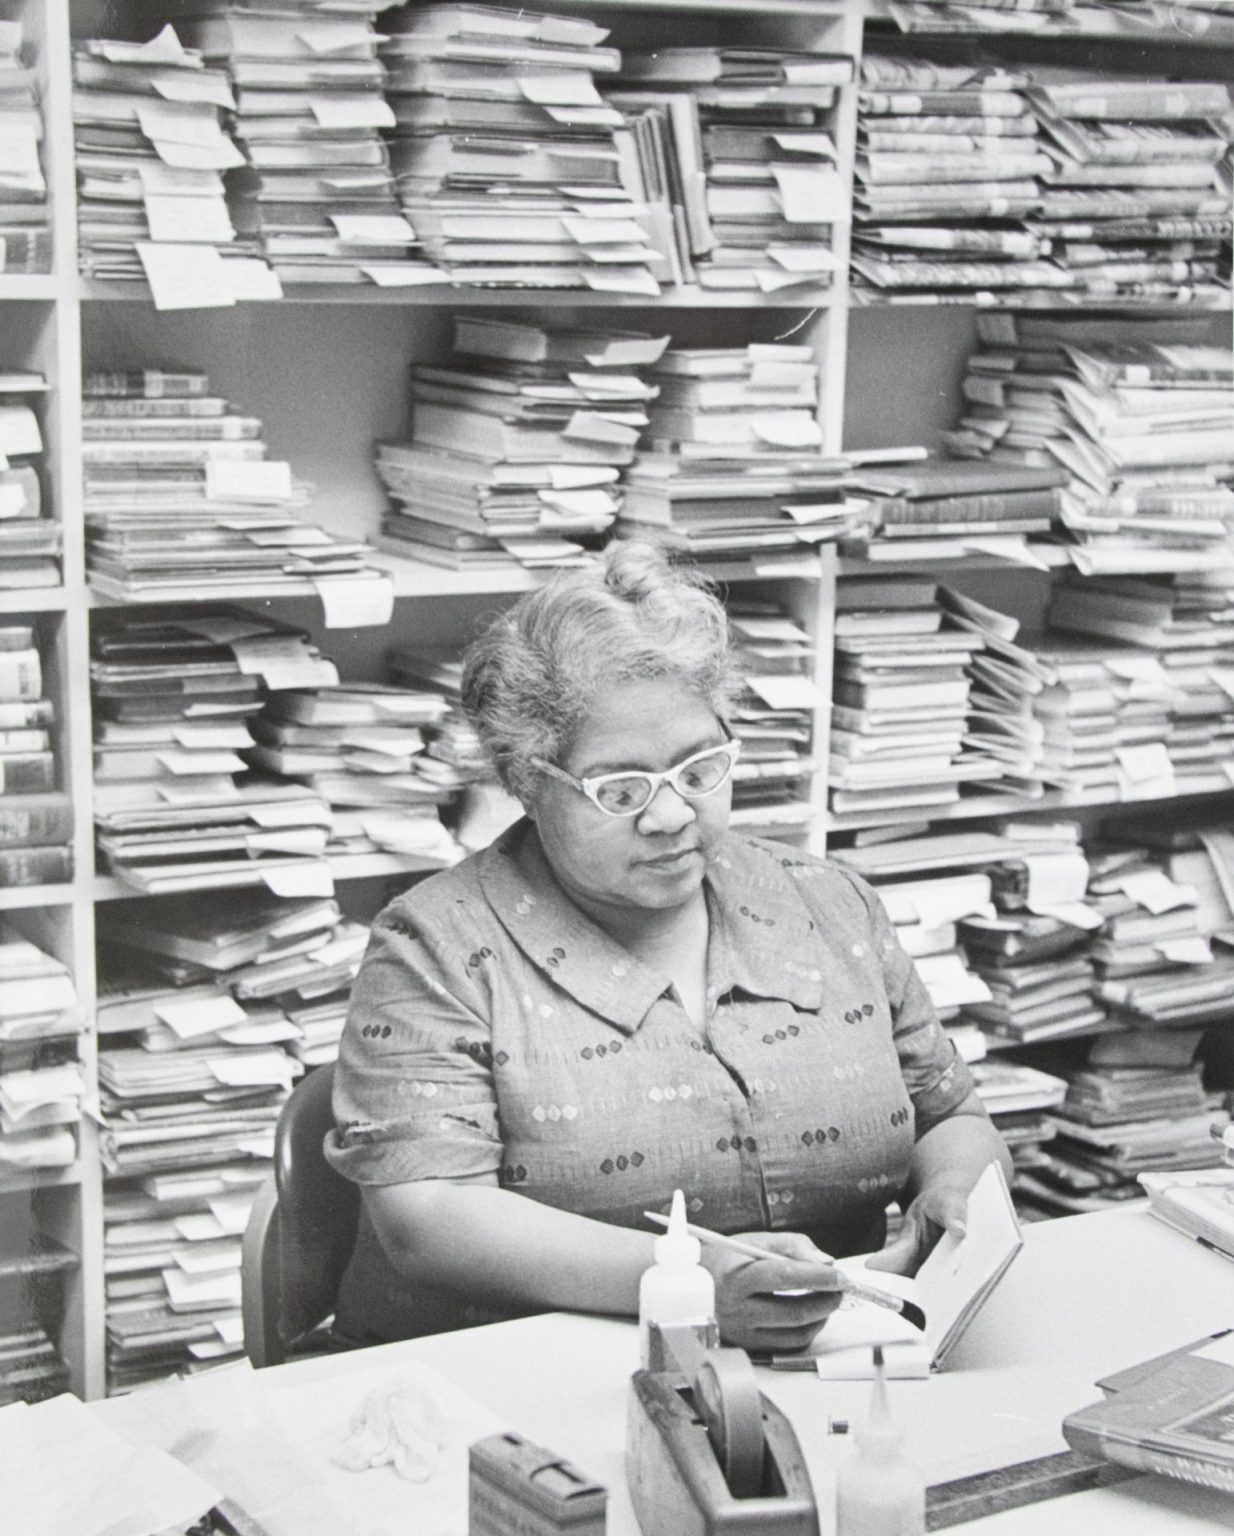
{"x": 706, "y": 1453}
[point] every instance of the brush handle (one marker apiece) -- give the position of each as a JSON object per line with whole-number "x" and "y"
{"x": 848, "y": 1285}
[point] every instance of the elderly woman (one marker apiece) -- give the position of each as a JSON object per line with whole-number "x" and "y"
{"x": 619, "y": 997}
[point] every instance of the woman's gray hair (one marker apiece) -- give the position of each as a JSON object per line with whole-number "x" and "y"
{"x": 530, "y": 678}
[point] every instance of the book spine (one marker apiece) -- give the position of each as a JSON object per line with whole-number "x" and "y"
{"x": 147, "y": 383}
{"x": 990, "y": 506}
{"x": 21, "y": 676}
{"x": 1144, "y": 1458}
{"x": 25, "y": 250}
{"x": 25, "y": 773}
{"x": 25, "y": 822}
{"x": 35, "y": 866}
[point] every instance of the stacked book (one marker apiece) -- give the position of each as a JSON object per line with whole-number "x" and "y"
{"x": 773, "y": 719}
{"x": 29, "y": 540}
{"x": 175, "y": 805}
{"x": 180, "y": 495}
{"x": 27, "y": 761}
{"x": 735, "y": 146}
{"x": 732, "y": 465}
{"x": 947, "y": 169}
{"x": 25, "y": 233}
{"x": 1175, "y": 637}
{"x": 1136, "y": 201}
{"x": 361, "y": 747}
{"x": 36, "y": 819}
{"x": 152, "y": 148}
{"x": 32, "y": 1270}
{"x": 1137, "y": 1104}
{"x": 964, "y": 17}
{"x": 1019, "y": 1098}
{"x": 41, "y": 1084}
{"x": 506, "y": 156}
{"x": 518, "y": 444}
{"x": 1139, "y": 415}
{"x": 959, "y": 499}
{"x": 317, "y": 191}
{"x": 1032, "y": 950}
{"x": 931, "y": 885}
{"x": 901, "y": 700}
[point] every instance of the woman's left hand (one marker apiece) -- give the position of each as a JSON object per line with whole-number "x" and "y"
{"x": 940, "y": 1207}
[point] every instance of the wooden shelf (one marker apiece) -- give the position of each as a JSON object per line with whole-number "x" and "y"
{"x": 446, "y": 295}
{"x": 20, "y": 1180}
{"x": 351, "y": 866}
{"x": 977, "y": 807}
{"x": 33, "y": 600}
{"x": 1066, "y": 299}
{"x": 15, "y": 897}
{"x": 37, "y": 287}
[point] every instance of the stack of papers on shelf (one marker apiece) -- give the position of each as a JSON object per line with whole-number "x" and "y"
{"x": 175, "y": 806}
{"x": 1168, "y": 642}
{"x": 736, "y": 147}
{"x": 1018, "y": 1098}
{"x": 1139, "y": 415}
{"x": 773, "y": 718}
{"x": 1136, "y": 201}
{"x": 507, "y": 159}
{"x": 937, "y": 497}
{"x": 518, "y": 445}
{"x": 27, "y": 760}
{"x": 362, "y": 748}
{"x": 317, "y": 191}
{"x": 900, "y": 703}
{"x": 41, "y": 1084}
{"x": 29, "y": 537}
{"x": 152, "y": 149}
{"x": 733, "y": 465}
{"x": 948, "y": 166}
{"x": 25, "y": 235}
{"x": 181, "y": 496}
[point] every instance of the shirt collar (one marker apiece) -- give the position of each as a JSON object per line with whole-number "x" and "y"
{"x": 761, "y": 939}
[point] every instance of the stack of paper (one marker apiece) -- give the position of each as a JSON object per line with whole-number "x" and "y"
{"x": 1032, "y": 951}
{"x": 180, "y": 494}
{"x": 40, "y": 1078}
{"x": 963, "y": 17}
{"x": 773, "y": 719}
{"x": 1139, "y": 415}
{"x": 901, "y": 701}
{"x": 1176, "y": 636}
{"x": 958, "y": 498}
{"x": 362, "y": 748}
{"x": 1136, "y": 201}
{"x": 318, "y": 191}
{"x": 152, "y": 148}
{"x": 31, "y": 1299}
{"x": 25, "y": 235}
{"x": 518, "y": 444}
{"x": 948, "y": 166}
{"x": 27, "y": 760}
{"x": 507, "y": 161}
{"x": 736, "y": 147}
{"x": 174, "y": 805}
{"x": 29, "y": 538}
{"x": 731, "y": 465}
{"x": 1017, "y": 1098}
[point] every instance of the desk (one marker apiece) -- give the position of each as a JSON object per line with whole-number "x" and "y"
{"x": 1088, "y": 1295}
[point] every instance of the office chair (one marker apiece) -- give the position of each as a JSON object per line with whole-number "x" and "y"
{"x": 300, "y": 1233}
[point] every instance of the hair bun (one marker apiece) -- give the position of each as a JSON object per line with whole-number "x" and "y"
{"x": 640, "y": 571}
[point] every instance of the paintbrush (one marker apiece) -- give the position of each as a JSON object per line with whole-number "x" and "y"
{"x": 908, "y": 1310}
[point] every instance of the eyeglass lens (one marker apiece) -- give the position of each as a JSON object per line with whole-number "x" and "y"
{"x": 631, "y": 792}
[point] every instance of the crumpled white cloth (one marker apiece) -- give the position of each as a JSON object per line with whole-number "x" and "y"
{"x": 398, "y": 1424}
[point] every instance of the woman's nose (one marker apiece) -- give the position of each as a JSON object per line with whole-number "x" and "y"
{"x": 666, "y": 811}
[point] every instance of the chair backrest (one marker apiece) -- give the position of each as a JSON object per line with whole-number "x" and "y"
{"x": 302, "y": 1230}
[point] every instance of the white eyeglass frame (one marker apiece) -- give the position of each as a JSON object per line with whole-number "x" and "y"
{"x": 591, "y": 786}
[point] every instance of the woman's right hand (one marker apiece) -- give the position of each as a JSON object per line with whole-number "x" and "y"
{"x": 773, "y": 1305}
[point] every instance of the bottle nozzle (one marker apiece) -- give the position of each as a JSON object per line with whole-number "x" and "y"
{"x": 677, "y": 1246}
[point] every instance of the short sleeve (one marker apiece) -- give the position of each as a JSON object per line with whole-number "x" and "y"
{"x": 413, "y": 1088}
{"x": 937, "y": 1080}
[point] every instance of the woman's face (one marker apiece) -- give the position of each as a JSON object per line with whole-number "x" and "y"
{"x": 654, "y": 860}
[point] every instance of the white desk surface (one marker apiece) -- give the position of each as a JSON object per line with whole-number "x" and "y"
{"x": 1088, "y": 1295}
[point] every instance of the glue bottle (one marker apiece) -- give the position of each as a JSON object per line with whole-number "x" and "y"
{"x": 676, "y": 1288}
{"x": 879, "y": 1491}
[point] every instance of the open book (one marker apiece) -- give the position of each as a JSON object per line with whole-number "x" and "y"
{"x": 951, "y": 1286}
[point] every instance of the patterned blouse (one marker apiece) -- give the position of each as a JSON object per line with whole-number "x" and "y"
{"x": 495, "y": 1030}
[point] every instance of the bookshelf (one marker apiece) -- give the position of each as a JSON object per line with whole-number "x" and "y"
{"x": 326, "y": 370}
